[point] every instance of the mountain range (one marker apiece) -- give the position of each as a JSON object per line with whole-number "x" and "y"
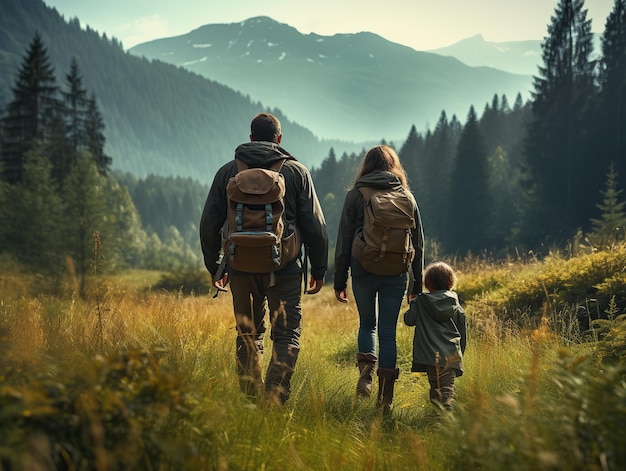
{"x": 182, "y": 108}
{"x": 517, "y": 57}
{"x": 346, "y": 86}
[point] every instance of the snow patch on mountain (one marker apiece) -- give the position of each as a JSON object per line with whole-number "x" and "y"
{"x": 203, "y": 59}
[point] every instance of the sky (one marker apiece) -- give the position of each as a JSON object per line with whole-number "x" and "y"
{"x": 420, "y": 24}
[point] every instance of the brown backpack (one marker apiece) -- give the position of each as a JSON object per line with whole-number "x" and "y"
{"x": 383, "y": 246}
{"x": 255, "y": 238}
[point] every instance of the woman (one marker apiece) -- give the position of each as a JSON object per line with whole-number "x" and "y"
{"x": 378, "y": 296}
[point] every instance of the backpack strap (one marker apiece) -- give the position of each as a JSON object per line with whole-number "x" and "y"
{"x": 306, "y": 268}
{"x": 383, "y": 247}
{"x": 366, "y": 192}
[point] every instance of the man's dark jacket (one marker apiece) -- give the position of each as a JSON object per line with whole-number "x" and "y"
{"x": 302, "y": 207}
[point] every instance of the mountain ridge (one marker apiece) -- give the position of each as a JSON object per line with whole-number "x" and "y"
{"x": 519, "y": 57}
{"x": 354, "y": 78}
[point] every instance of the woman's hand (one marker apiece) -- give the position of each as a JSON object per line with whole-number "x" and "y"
{"x": 314, "y": 286}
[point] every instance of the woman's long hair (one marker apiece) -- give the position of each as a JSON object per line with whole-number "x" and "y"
{"x": 382, "y": 158}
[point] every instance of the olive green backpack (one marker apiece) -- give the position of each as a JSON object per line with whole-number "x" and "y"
{"x": 383, "y": 246}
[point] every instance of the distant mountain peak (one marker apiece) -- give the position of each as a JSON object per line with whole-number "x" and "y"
{"x": 519, "y": 57}
{"x": 476, "y": 38}
{"x": 255, "y": 20}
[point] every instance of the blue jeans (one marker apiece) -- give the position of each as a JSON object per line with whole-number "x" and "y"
{"x": 379, "y": 298}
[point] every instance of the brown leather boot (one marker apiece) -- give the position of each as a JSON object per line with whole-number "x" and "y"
{"x": 386, "y": 382}
{"x": 366, "y": 363}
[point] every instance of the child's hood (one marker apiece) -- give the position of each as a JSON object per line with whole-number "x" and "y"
{"x": 440, "y": 305}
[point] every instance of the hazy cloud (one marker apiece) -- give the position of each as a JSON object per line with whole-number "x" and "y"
{"x": 144, "y": 29}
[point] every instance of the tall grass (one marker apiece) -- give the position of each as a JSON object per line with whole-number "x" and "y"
{"x": 135, "y": 379}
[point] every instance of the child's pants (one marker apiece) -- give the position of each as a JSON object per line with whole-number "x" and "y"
{"x": 441, "y": 386}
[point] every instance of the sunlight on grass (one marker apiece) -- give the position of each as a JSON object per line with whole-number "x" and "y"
{"x": 136, "y": 376}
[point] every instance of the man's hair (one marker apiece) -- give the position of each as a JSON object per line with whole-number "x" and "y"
{"x": 265, "y": 127}
{"x": 439, "y": 276}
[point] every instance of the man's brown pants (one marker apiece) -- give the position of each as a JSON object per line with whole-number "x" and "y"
{"x": 254, "y": 295}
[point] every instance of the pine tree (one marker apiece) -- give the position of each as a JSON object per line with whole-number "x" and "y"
{"x": 328, "y": 186}
{"x": 348, "y": 165}
{"x": 470, "y": 203}
{"x": 327, "y": 175}
{"x": 505, "y": 158}
{"x": 59, "y": 149}
{"x": 76, "y": 104}
{"x": 31, "y": 111}
{"x": 611, "y": 227}
{"x": 34, "y": 235}
{"x": 439, "y": 155}
{"x": 410, "y": 156}
{"x": 560, "y": 172}
{"x": 123, "y": 235}
{"x": 612, "y": 77}
{"x": 86, "y": 212}
{"x": 94, "y": 128}
{"x": 5, "y": 221}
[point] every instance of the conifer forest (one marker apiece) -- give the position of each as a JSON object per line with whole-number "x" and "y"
{"x": 507, "y": 178}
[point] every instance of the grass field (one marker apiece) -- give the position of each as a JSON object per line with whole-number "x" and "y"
{"x": 129, "y": 378}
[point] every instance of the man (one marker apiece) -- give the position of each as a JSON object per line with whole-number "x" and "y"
{"x": 280, "y": 291}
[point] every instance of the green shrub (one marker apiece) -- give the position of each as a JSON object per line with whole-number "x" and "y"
{"x": 552, "y": 284}
{"x": 594, "y": 406}
{"x": 578, "y": 423}
{"x": 185, "y": 281}
{"x": 124, "y": 411}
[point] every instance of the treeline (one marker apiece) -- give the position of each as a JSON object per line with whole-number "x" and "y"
{"x": 446, "y": 172}
{"x": 170, "y": 209}
{"x": 528, "y": 176}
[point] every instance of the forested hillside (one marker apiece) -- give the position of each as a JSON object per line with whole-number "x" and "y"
{"x": 158, "y": 118}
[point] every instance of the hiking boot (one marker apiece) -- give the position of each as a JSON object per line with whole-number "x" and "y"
{"x": 386, "y": 382}
{"x": 366, "y": 363}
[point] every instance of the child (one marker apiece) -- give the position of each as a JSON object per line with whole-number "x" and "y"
{"x": 440, "y": 333}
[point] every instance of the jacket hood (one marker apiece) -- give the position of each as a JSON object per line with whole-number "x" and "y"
{"x": 440, "y": 305}
{"x": 379, "y": 180}
{"x": 261, "y": 153}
